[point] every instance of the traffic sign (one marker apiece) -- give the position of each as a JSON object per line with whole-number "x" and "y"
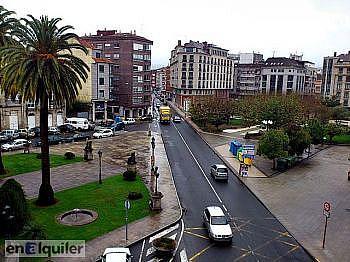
{"x": 127, "y": 204}
{"x": 326, "y": 206}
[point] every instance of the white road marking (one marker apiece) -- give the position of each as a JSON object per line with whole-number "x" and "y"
{"x": 150, "y": 251}
{"x": 173, "y": 237}
{"x": 224, "y": 207}
{"x": 183, "y": 256}
{"x": 160, "y": 234}
{"x": 142, "y": 248}
{"x": 203, "y": 173}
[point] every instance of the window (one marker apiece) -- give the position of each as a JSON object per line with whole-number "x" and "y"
{"x": 146, "y": 47}
{"x": 107, "y": 45}
{"x": 138, "y": 79}
{"x": 147, "y": 57}
{"x": 184, "y": 58}
{"x": 101, "y": 68}
{"x": 98, "y": 55}
{"x": 137, "y": 57}
{"x": 116, "y": 56}
{"x": 279, "y": 83}
{"x": 101, "y": 81}
{"x": 137, "y": 47}
{"x": 272, "y": 83}
{"x": 137, "y": 89}
{"x": 116, "y": 45}
{"x": 137, "y": 68}
{"x": 137, "y": 100}
{"x": 191, "y": 58}
{"x": 101, "y": 93}
{"x": 99, "y": 46}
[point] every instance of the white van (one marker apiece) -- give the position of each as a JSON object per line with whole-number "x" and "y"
{"x": 78, "y": 123}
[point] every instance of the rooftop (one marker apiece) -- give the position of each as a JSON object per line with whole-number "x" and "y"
{"x": 283, "y": 61}
{"x": 114, "y": 34}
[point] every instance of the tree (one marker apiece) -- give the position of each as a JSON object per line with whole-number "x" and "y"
{"x": 273, "y": 144}
{"x": 339, "y": 113}
{"x": 7, "y": 23}
{"x": 299, "y": 139}
{"x": 333, "y": 130}
{"x": 40, "y": 68}
{"x": 316, "y": 130}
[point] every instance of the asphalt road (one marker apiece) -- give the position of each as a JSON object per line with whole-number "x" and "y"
{"x": 258, "y": 236}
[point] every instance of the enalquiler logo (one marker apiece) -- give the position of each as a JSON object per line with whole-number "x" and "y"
{"x": 45, "y": 248}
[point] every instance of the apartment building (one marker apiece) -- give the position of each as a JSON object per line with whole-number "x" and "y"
{"x": 281, "y": 75}
{"x": 15, "y": 114}
{"x": 162, "y": 79}
{"x": 131, "y": 93}
{"x": 318, "y": 82}
{"x": 336, "y": 78}
{"x": 247, "y": 79}
{"x": 200, "y": 69}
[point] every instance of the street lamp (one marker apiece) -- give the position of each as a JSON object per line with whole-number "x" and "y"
{"x": 100, "y": 166}
{"x": 153, "y": 144}
{"x": 157, "y": 175}
{"x": 267, "y": 123}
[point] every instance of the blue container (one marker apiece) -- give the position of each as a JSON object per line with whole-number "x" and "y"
{"x": 234, "y": 146}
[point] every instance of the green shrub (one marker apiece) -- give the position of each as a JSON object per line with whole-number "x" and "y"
{"x": 32, "y": 231}
{"x": 38, "y": 155}
{"x": 134, "y": 195}
{"x": 12, "y": 196}
{"x": 69, "y": 155}
{"x": 129, "y": 176}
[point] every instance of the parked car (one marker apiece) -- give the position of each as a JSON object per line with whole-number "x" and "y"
{"x": 3, "y": 137}
{"x": 81, "y": 137}
{"x": 117, "y": 127}
{"x": 67, "y": 138}
{"x": 177, "y": 119}
{"x": 217, "y": 225}
{"x": 53, "y": 130}
{"x": 66, "y": 128}
{"x": 15, "y": 144}
{"x": 53, "y": 140}
{"x": 34, "y": 132}
{"x": 115, "y": 254}
{"x": 102, "y": 133}
{"x": 219, "y": 172}
{"x": 78, "y": 122}
{"x": 146, "y": 118}
{"x": 23, "y": 133}
{"x": 11, "y": 133}
{"x": 129, "y": 121}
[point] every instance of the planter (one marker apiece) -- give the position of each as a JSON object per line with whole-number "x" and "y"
{"x": 164, "y": 246}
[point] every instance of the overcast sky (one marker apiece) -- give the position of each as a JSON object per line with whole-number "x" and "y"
{"x": 315, "y": 28}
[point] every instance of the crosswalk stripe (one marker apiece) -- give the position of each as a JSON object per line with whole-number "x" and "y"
{"x": 163, "y": 233}
{"x": 183, "y": 255}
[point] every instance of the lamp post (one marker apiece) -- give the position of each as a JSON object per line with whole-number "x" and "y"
{"x": 100, "y": 166}
{"x": 153, "y": 144}
{"x": 157, "y": 175}
{"x": 267, "y": 123}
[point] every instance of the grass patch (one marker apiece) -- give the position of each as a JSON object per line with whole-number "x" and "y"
{"x": 236, "y": 122}
{"x": 342, "y": 139}
{"x": 106, "y": 199}
{"x": 23, "y": 163}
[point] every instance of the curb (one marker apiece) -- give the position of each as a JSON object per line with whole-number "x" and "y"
{"x": 178, "y": 201}
{"x": 241, "y": 180}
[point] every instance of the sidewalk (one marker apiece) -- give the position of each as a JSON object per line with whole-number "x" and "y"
{"x": 296, "y": 197}
{"x": 66, "y": 176}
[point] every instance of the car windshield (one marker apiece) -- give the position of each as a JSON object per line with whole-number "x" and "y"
{"x": 218, "y": 220}
{"x": 222, "y": 170}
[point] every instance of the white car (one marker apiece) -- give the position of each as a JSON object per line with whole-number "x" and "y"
{"x": 115, "y": 254}
{"x": 15, "y": 144}
{"x": 53, "y": 130}
{"x": 219, "y": 172}
{"x": 102, "y": 133}
{"x": 216, "y": 222}
{"x": 176, "y": 119}
{"x": 129, "y": 121}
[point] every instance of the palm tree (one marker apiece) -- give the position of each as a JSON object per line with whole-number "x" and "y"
{"x": 7, "y": 23}
{"x": 40, "y": 68}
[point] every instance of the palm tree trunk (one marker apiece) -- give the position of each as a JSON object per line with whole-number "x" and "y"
{"x": 46, "y": 194}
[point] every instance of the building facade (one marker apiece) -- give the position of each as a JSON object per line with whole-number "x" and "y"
{"x": 200, "y": 69}
{"x": 131, "y": 95}
{"x": 336, "y": 78}
{"x": 281, "y": 75}
{"x": 247, "y": 79}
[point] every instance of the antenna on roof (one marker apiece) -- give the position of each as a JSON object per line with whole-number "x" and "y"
{"x": 273, "y": 53}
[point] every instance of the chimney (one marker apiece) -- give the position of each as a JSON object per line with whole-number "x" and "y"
{"x": 134, "y": 32}
{"x": 335, "y": 54}
{"x": 178, "y": 42}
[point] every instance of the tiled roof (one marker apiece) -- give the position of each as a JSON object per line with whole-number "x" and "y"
{"x": 283, "y": 61}
{"x": 86, "y": 43}
{"x": 102, "y": 60}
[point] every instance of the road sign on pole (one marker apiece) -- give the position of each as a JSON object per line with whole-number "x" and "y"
{"x": 326, "y": 213}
